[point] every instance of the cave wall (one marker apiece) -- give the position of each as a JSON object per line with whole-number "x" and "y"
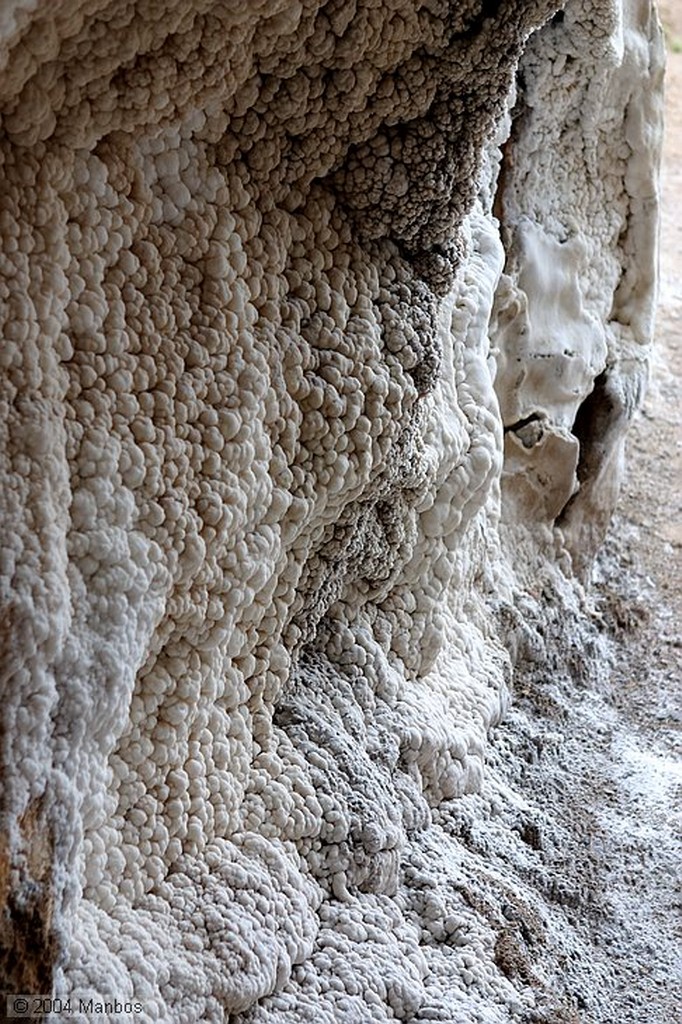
{"x": 577, "y": 202}
{"x": 320, "y": 327}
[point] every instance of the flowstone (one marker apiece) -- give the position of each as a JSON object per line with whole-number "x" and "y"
{"x": 286, "y": 339}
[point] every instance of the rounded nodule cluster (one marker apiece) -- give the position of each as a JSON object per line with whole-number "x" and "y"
{"x": 249, "y": 490}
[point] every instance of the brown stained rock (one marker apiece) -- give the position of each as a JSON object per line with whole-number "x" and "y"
{"x": 28, "y": 943}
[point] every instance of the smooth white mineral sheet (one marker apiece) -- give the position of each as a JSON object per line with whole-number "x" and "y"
{"x": 578, "y": 201}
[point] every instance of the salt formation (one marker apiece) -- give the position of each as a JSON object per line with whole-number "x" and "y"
{"x": 574, "y": 310}
{"x": 251, "y": 460}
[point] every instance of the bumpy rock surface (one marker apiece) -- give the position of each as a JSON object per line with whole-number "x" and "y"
{"x": 267, "y": 355}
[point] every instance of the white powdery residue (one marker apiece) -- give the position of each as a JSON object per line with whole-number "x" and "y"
{"x": 652, "y": 779}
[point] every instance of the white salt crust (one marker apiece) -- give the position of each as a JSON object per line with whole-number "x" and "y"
{"x": 252, "y": 431}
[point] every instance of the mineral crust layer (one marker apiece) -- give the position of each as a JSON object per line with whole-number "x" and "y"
{"x": 321, "y": 327}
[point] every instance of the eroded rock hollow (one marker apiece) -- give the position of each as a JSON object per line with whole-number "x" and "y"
{"x": 322, "y": 323}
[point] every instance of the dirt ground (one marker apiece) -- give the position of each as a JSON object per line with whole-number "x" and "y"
{"x": 642, "y": 570}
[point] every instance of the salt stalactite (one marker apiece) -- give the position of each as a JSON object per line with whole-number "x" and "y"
{"x": 253, "y": 414}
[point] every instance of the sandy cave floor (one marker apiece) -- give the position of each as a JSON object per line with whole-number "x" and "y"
{"x": 639, "y": 582}
{"x": 641, "y": 577}
{"x": 608, "y": 783}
